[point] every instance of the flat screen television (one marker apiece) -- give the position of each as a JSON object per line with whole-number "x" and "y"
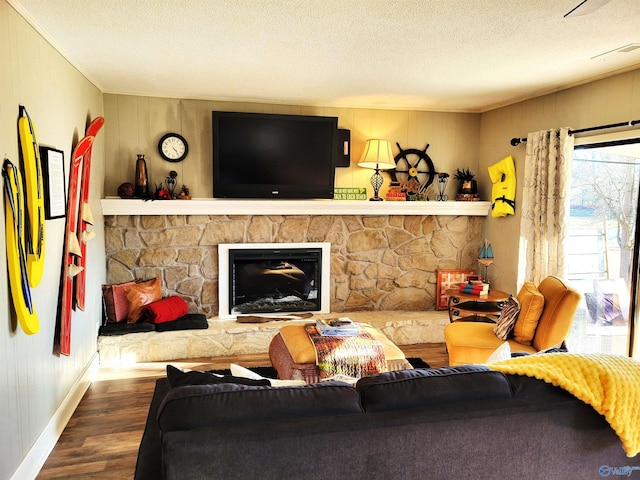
{"x": 259, "y": 155}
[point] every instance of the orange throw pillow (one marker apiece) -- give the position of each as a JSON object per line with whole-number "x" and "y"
{"x": 142, "y": 294}
{"x": 531, "y": 305}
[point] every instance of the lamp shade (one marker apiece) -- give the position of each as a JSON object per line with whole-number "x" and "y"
{"x": 377, "y": 155}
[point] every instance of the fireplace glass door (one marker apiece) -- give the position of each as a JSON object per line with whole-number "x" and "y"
{"x": 274, "y": 280}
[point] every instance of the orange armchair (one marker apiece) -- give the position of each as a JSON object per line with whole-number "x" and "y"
{"x": 474, "y": 342}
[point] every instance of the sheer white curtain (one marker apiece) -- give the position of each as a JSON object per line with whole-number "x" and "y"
{"x": 545, "y": 204}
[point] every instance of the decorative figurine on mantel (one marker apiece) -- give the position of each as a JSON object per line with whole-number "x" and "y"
{"x": 142, "y": 177}
{"x": 184, "y": 193}
{"x": 170, "y": 182}
{"x": 414, "y": 164}
{"x": 412, "y": 189}
{"x": 126, "y": 190}
{"x": 468, "y": 187}
{"x": 443, "y": 179}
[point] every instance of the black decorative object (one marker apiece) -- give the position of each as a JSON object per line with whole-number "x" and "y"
{"x": 467, "y": 186}
{"x": 414, "y": 164}
{"x": 443, "y": 178}
{"x": 343, "y": 158}
{"x": 170, "y": 183}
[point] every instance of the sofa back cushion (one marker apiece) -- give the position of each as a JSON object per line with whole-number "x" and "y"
{"x": 206, "y": 406}
{"x": 422, "y": 388}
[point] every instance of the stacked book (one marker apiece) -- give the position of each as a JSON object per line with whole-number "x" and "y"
{"x": 474, "y": 288}
{"x": 337, "y": 327}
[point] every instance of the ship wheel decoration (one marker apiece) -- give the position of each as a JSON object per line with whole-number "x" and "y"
{"x": 414, "y": 164}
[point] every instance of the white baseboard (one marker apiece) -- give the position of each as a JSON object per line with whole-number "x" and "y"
{"x": 33, "y": 462}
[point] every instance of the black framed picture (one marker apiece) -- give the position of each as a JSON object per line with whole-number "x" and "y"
{"x": 53, "y": 180}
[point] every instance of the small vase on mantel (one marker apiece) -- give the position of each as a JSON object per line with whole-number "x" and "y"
{"x": 142, "y": 178}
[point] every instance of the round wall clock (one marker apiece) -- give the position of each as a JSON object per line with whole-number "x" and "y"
{"x": 173, "y": 147}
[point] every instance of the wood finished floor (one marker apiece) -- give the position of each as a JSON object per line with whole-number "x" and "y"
{"x": 101, "y": 439}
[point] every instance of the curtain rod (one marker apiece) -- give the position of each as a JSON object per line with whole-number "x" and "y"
{"x": 517, "y": 141}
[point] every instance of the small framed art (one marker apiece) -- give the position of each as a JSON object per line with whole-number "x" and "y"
{"x": 53, "y": 181}
{"x": 448, "y": 279}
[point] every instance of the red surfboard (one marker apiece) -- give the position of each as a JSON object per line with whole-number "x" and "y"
{"x": 71, "y": 244}
{"x": 85, "y": 218}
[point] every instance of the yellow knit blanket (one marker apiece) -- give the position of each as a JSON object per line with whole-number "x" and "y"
{"x": 609, "y": 383}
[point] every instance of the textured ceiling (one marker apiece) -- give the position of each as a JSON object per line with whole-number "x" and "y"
{"x": 448, "y": 55}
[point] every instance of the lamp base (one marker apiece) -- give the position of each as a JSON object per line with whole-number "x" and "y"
{"x": 376, "y": 183}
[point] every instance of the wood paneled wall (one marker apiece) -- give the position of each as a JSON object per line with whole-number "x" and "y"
{"x": 35, "y": 383}
{"x": 611, "y": 100}
{"x": 135, "y": 124}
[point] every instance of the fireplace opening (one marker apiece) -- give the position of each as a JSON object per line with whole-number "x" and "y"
{"x": 273, "y": 278}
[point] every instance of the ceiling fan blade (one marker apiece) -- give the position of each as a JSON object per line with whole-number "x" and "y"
{"x": 585, "y": 7}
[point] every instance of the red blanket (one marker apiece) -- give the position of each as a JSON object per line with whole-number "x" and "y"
{"x": 165, "y": 310}
{"x": 354, "y": 356}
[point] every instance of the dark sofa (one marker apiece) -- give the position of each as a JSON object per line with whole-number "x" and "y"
{"x": 464, "y": 422}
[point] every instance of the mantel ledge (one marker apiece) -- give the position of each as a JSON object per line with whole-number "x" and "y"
{"x": 223, "y": 206}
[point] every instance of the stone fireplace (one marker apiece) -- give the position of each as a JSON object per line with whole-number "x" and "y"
{"x": 273, "y": 278}
{"x": 378, "y": 262}
{"x": 383, "y": 264}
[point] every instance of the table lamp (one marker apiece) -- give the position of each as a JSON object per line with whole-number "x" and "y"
{"x": 378, "y": 156}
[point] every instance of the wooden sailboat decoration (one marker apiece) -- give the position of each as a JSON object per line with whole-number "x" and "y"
{"x": 485, "y": 258}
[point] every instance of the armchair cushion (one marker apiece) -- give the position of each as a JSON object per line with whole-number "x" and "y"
{"x": 531, "y": 306}
{"x": 474, "y": 342}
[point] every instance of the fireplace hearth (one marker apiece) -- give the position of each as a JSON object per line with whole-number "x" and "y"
{"x": 272, "y": 278}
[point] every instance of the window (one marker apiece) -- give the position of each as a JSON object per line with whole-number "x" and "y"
{"x": 605, "y": 182}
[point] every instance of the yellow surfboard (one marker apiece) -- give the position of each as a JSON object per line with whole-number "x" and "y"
{"x": 16, "y": 252}
{"x": 34, "y": 196}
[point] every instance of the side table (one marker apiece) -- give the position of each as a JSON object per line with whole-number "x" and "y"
{"x": 464, "y": 307}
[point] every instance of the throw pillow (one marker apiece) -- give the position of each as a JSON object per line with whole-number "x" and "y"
{"x": 116, "y": 305}
{"x": 507, "y": 319}
{"x": 165, "y": 310}
{"x": 178, "y": 378}
{"x": 531, "y": 305}
{"x": 503, "y": 352}
{"x": 141, "y": 294}
{"x": 238, "y": 371}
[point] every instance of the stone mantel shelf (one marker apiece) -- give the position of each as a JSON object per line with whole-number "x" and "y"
{"x": 223, "y": 206}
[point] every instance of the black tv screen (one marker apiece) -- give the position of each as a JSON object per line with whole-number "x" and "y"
{"x": 259, "y": 155}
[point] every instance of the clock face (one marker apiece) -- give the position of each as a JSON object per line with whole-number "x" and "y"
{"x": 173, "y": 147}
